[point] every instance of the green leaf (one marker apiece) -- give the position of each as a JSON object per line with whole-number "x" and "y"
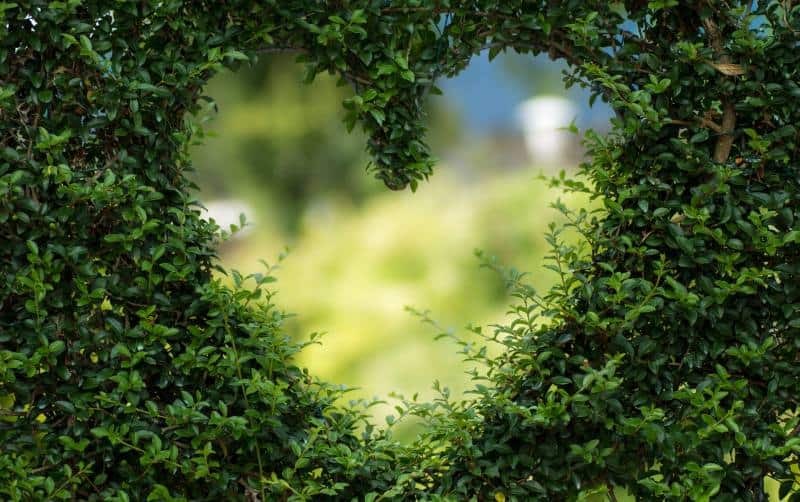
{"x": 85, "y": 43}
{"x": 152, "y": 89}
{"x": 57, "y": 347}
{"x": 408, "y": 75}
{"x": 66, "y": 406}
{"x": 377, "y": 115}
{"x": 99, "y": 432}
{"x": 120, "y": 350}
{"x": 236, "y": 55}
{"x": 735, "y": 244}
{"x": 386, "y": 69}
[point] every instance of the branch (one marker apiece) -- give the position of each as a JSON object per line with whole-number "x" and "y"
{"x": 281, "y": 50}
{"x": 703, "y": 122}
{"x": 433, "y": 11}
{"x": 747, "y": 9}
{"x": 725, "y": 140}
{"x": 352, "y": 78}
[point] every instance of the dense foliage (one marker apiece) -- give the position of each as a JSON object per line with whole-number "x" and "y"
{"x": 663, "y": 362}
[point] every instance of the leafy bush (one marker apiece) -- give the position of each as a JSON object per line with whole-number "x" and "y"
{"x": 663, "y": 362}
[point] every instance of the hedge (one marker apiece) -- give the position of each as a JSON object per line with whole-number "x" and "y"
{"x": 664, "y": 362}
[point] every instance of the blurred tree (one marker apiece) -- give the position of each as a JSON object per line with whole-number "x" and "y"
{"x": 283, "y": 144}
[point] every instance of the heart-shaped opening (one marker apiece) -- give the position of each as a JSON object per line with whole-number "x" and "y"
{"x": 361, "y": 258}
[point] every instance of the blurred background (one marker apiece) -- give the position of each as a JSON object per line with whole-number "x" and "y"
{"x": 276, "y": 150}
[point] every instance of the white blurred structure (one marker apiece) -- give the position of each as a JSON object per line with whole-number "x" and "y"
{"x": 544, "y": 120}
{"x": 225, "y": 212}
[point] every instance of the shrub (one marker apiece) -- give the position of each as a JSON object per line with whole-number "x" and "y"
{"x": 663, "y": 362}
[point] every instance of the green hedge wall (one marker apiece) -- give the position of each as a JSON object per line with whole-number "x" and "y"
{"x": 664, "y": 361}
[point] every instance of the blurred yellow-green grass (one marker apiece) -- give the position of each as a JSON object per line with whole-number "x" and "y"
{"x": 352, "y": 270}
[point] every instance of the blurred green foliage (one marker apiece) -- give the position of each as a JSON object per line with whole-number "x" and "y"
{"x": 279, "y": 144}
{"x": 352, "y": 271}
{"x": 360, "y": 255}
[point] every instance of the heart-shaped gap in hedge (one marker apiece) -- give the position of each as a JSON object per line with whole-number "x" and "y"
{"x": 353, "y": 245}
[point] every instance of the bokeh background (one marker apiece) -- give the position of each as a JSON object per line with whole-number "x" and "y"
{"x": 359, "y": 254}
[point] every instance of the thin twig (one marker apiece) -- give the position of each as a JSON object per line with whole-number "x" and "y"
{"x": 747, "y": 9}
{"x": 703, "y": 122}
{"x": 281, "y": 50}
